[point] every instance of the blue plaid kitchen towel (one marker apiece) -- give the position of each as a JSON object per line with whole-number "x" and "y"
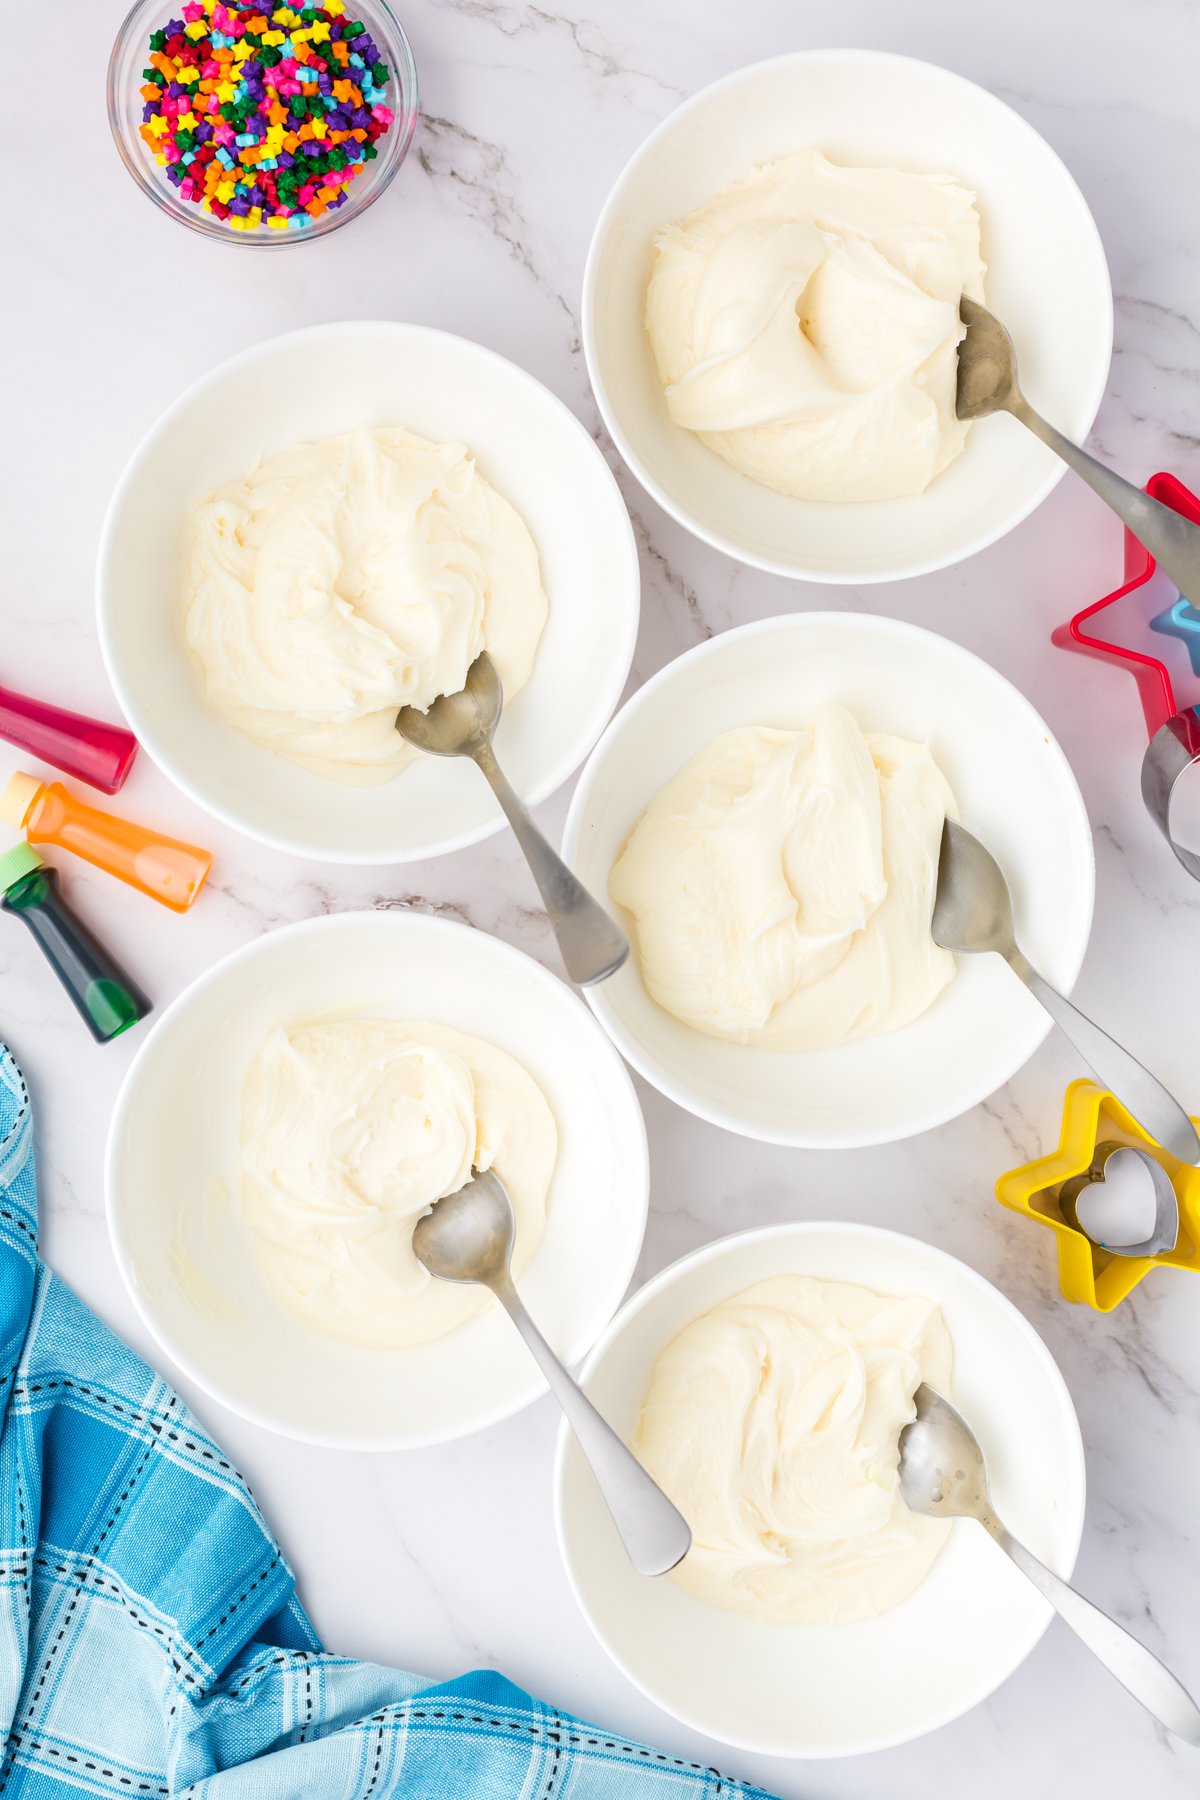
{"x": 151, "y": 1641}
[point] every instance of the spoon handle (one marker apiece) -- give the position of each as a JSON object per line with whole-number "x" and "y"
{"x": 1135, "y": 1667}
{"x": 592, "y": 945}
{"x": 1172, "y": 540}
{"x": 655, "y": 1534}
{"x": 1122, "y": 1074}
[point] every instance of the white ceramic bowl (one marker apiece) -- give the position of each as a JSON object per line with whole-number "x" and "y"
{"x": 189, "y": 1266}
{"x": 1047, "y": 279}
{"x": 814, "y": 1692}
{"x": 1015, "y": 791}
{"x": 313, "y": 384}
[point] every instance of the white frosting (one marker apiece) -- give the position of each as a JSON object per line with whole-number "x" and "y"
{"x": 351, "y": 1129}
{"x": 805, "y": 324}
{"x": 346, "y": 579}
{"x": 781, "y": 885}
{"x": 773, "y": 1422}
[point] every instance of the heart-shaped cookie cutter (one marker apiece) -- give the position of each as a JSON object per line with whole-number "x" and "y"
{"x": 1088, "y": 1273}
{"x": 1165, "y": 1233}
{"x": 1174, "y": 731}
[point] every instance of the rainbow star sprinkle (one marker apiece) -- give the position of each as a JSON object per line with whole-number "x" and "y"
{"x": 264, "y": 115}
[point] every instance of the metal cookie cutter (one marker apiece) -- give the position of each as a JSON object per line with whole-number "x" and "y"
{"x": 1165, "y": 1234}
{"x": 1171, "y": 752}
{"x": 1106, "y": 630}
{"x": 1096, "y": 1125}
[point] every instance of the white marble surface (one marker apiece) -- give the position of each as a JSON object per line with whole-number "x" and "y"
{"x": 531, "y": 111}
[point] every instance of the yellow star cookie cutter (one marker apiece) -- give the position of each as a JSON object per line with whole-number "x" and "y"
{"x": 1087, "y": 1274}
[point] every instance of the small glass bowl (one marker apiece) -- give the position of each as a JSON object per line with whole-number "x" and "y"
{"x": 125, "y": 105}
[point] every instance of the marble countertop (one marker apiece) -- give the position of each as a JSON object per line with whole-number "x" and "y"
{"x": 530, "y": 113}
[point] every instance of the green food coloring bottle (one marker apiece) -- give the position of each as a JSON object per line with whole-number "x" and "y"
{"x": 106, "y": 999}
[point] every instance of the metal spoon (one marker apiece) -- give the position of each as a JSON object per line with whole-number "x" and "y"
{"x": 987, "y": 383}
{"x": 942, "y": 1473}
{"x": 463, "y": 724}
{"x": 468, "y": 1236}
{"x": 972, "y": 912}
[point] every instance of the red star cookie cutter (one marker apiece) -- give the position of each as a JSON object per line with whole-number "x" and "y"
{"x": 1114, "y": 628}
{"x": 1096, "y": 630}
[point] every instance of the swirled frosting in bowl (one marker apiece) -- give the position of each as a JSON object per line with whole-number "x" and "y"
{"x": 773, "y": 1422}
{"x": 805, "y": 325}
{"x": 781, "y": 885}
{"x": 351, "y": 1129}
{"x": 345, "y": 579}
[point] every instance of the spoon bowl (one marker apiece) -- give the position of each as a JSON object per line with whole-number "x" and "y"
{"x": 972, "y": 909}
{"x": 469, "y": 1235}
{"x": 459, "y": 724}
{"x": 942, "y": 1471}
{"x": 987, "y": 363}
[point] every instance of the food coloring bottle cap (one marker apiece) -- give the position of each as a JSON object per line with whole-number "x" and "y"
{"x": 17, "y": 798}
{"x": 16, "y": 863}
